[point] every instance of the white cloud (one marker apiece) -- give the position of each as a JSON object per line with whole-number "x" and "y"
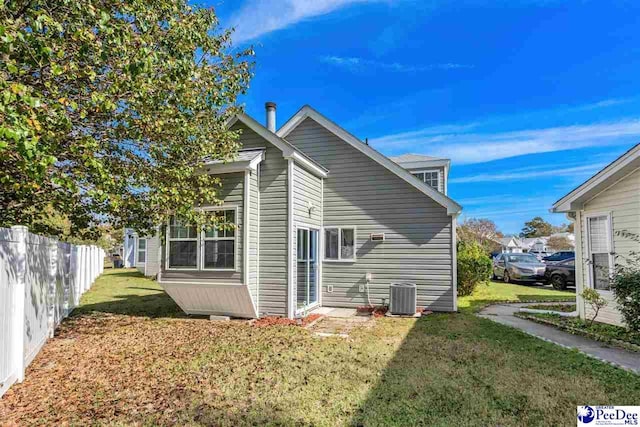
{"x": 361, "y": 64}
{"x": 530, "y": 173}
{"x": 464, "y": 147}
{"x": 259, "y": 17}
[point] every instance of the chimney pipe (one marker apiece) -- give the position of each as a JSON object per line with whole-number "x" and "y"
{"x": 271, "y": 116}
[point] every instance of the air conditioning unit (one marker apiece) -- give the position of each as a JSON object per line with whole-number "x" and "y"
{"x": 402, "y": 298}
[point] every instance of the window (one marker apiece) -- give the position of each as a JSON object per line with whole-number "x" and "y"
{"x": 599, "y": 251}
{"x": 220, "y": 242}
{"x": 340, "y": 244}
{"x": 212, "y": 248}
{"x": 431, "y": 178}
{"x": 183, "y": 245}
{"x": 142, "y": 251}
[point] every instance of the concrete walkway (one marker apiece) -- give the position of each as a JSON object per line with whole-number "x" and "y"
{"x": 503, "y": 313}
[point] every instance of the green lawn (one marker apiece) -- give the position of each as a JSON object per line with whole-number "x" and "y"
{"x": 498, "y": 291}
{"x": 128, "y": 357}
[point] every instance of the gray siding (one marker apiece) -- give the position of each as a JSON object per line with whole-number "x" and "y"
{"x": 254, "y": 237}
{"x": 273, "y": 225}
{"x": 359, "y": 192}
{"x": 231, "y": 193}
{"x": 307, "y": 188}
{"x": 623, "y": 201}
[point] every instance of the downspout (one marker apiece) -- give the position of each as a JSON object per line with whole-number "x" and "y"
{"x": 290, "y": 254}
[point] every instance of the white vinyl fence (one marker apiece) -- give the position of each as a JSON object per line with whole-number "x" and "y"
{"x": 41, "y": 281}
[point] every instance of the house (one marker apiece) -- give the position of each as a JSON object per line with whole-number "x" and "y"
{"x": 535, "y": 244}
{"x": 511, "y": 244}
{"x": 602, "y": 207}
{"x": 143, "y": 253}
{"x": 312, "y": 216}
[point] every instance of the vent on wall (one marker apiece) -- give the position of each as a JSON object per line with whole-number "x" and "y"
{"x": 402, "y": 298}
{"x": 377, "y": 237}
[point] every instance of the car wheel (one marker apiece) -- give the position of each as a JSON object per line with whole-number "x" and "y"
{"x": 505, "y": 277}
{"x": 558, "y": 282}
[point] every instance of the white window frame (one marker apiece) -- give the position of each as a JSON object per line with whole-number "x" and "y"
{"x": 424, "y": 171}
{"x": 204, "y": 239}
{"x": 319, "y": 248}
{"x": 146, "y": 243}
{"x": 355, "y": 243}
{"x": 200, "y": 239}
{"x": 180, "y": 239}
{"x": 610, "y": 243}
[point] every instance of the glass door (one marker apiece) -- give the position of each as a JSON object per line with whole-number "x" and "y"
{"x": 307, "y": 268}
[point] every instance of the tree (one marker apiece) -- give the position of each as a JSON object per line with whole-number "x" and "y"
{"x": 108, "y": 109}
{"x": 537, "y": 227}
{"x": 559, "y": 243}
{"x": 593, "y": 298}
{"x": 480, "y": 230}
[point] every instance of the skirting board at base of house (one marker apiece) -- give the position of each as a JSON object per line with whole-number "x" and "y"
{"x": 213, "y": 317}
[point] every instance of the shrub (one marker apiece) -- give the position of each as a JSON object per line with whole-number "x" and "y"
{"x": 625, "y": 283}
{"x": 593, "y": 298}
{"x": 474, "y": 267}
{"x": 626, "y": 290}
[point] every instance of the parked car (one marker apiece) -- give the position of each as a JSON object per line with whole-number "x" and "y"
{"x": 518, "y": 268}
{"x": 561, "y": 274}
{"x": 559, "y": 256}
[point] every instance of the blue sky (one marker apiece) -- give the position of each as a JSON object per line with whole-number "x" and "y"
{"x": 528, "y": 98}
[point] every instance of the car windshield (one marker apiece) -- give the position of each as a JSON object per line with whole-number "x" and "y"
{"x": 522, "y": 258}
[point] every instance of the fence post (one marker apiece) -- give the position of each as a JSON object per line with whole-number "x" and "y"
{"x": 19, "y": 236}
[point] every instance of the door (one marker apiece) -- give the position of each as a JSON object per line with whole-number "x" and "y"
{"x": 307, "y": 268}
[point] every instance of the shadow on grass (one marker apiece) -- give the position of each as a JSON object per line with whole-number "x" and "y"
{"x": 128, "y": 292}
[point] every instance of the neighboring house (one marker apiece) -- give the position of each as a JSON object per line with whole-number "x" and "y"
{"x": 606, "y": 204}
{"x": 511, "y": 244}
{"x": 534, "y": 244}
{"x": 142, "y": 253}
{"x": 316, "y": 218}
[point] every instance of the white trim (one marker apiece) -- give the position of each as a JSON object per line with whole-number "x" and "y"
{"x": 355, "y": 243}
{"x": 204, "y": 239}
{"x": 610, "y": 246}
{"x": 200, "y": 239}
{"x": 309, "y": 228}
{"x": 425, "y": 171}
{"x": 454, "y": 261}
{"x": 321, "y": 241}
{"x": 288, "y": 150}
{"x": 565, "y": 203}
{"x": 291, "y": 308}
{"x": 233, "y": 166}
{"x": 306, "y": 111}
{"x": 168, "y": 244}
{"x": 146, "y": 243}
{"x": 258, "y": 173}
{"x": 245, "y": 228}
{"x": 305, "y": 163}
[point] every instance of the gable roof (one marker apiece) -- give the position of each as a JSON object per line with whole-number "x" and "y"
{"x": 615, "y": 171}
{"x": 288, "y": 150}
{"x": 307, "y": 111}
